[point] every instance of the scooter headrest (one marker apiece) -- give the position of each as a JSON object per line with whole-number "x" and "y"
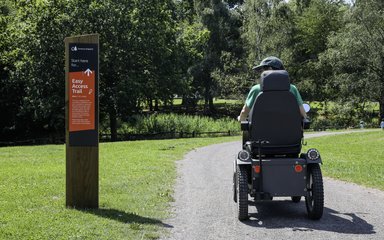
{"x": 274, "y": 80}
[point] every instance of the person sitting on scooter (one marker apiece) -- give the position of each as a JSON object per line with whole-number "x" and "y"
{"x": 269, "y": 63}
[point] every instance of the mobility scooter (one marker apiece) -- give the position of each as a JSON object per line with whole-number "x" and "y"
{"x": 270, "y": 163}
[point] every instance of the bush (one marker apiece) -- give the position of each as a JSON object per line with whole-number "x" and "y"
{"x": 165, "y": 123}
{"x": 339, "y": 115}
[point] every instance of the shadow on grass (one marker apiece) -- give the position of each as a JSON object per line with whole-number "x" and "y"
{"x": 124, "y": 217}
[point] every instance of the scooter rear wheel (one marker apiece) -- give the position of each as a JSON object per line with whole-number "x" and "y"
{"x": 315, "y": 199}
{"x": 242, "y": 192}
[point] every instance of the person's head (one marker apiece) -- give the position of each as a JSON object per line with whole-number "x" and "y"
{"x": 269, "y": 63}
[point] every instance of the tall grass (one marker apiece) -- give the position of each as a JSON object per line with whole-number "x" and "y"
{"x": 161, "y": 123}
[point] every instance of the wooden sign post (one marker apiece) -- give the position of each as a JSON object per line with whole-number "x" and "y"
{"x": 82, "y": 121}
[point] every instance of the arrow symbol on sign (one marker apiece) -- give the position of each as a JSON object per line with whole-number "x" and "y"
{"x": 88, "y": 72}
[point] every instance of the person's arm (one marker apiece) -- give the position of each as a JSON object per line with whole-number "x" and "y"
{"x": 302, "y": 111}
{"x": 255, "y": 90}
{"x": 244, "y": 113}
{"x": 299, "y": 100}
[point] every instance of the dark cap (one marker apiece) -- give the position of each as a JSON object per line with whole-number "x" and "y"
{"x": 271, "y": 61}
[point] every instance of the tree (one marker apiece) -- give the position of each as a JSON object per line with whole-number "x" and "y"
{"x": 356, "y": 54}
{"x": 231, "y": 76}
{"x": 192, "y": 41}
{"x": 138, "y": 52}
{"x": 268, "y": 29}
{"x": 315, "y": 21}
{"x": 217, "y": 17}
{"x": 186, "y": 11}
{"x": 154, "y": 35}
{"x": 10, "y": 90}
{"x": 37, "y": 33}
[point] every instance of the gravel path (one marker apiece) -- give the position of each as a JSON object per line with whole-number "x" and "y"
{"x": 204, "y": 209}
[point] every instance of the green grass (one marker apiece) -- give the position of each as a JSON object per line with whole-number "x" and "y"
{"x": 354, "y": 157}
{"x": 136, "y": 184}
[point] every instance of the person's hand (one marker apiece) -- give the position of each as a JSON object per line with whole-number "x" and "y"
{"x": 238, "y": 118}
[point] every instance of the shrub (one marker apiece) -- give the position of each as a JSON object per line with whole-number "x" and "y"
{"x": 165, "y": 123}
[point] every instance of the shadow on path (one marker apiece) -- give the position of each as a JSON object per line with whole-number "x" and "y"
{"x": 286, "y": 214}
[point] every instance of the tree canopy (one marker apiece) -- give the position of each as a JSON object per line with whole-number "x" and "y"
{"x": 152, "y": 51}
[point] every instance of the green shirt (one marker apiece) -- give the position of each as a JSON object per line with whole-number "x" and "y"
{"x": 255, "y": 90}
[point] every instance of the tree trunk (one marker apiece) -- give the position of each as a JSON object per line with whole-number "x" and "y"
{"x": 207, "y": 95}
{"x": 206, "y": 101}
{"x": 150, "y": 104}
{"x": 138, "y": 105}
{"x": 156, "y": 105}
{"x": 381, "y": 100}
{"x": 325, "y": 109}
{"x": 113, "y": 124}
{"x": 211, "y": 106}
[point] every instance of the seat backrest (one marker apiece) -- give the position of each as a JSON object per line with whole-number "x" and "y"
{"x": 275, "y": 116}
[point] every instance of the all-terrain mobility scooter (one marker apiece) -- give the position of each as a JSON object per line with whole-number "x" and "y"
{"x": 270, "y": 163}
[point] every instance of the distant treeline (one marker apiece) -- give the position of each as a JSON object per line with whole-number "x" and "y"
{"x": 198, "y": 49}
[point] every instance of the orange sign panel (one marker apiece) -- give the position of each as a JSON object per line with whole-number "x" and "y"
{"x": 81, "y": 100}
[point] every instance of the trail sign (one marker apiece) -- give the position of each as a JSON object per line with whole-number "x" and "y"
{"x": 82, "y": 82}
{"x": 82, "y": 121}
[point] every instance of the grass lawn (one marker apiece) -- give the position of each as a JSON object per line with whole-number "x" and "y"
{"x": 136, "y": 184}
{"x": 354, "y": 157}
